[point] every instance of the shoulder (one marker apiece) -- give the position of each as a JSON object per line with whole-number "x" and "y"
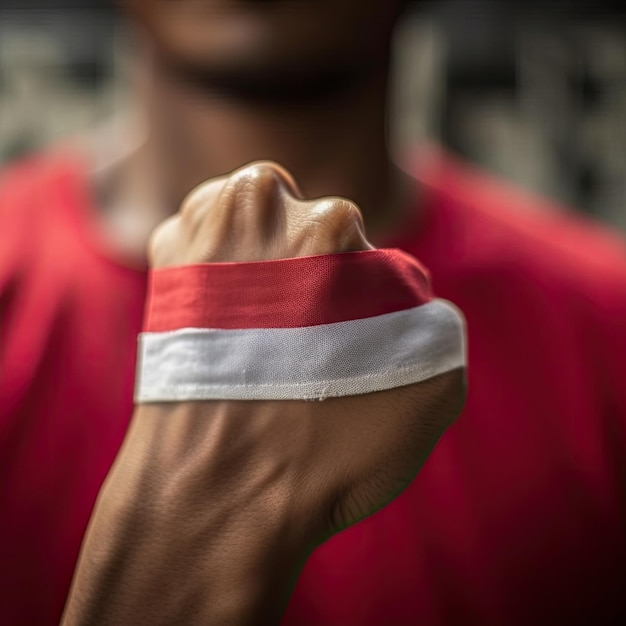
{"x": 27, "y": 183}
{"x": 495, "y": 229}
{"x": 534, "y": 279}
{"x": 35, "y": 213}
{"x": 28, "y": 188}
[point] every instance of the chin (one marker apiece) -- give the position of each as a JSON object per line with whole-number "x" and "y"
{"x": 246, "y": 35}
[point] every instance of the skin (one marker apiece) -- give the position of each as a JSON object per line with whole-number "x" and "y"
{"x": 189, "y": 124}
{"x": 211, "y": 508}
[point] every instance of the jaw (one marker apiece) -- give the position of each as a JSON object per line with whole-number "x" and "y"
{"x": 267, "y": 42}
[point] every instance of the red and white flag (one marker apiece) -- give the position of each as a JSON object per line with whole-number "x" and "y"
{"x": 302, "y": 328}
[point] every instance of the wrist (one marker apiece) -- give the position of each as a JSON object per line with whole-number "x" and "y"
{"x": 172, "y": 507}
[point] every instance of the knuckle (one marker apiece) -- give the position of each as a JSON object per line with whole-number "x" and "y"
{"x": 351, "y": 220}
{"x": 260, "y": 175}
{"x": 250, "y": 192}
{"x": 349, "y": 213}
{"x": 254, "y": 196}
{"x": 337, "y": 218}
{"x": 339, "y": 211}
{"x": 263, "y": 177}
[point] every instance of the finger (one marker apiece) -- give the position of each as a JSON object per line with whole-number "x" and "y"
{"x": 327, "y": 226}
{"x": 250, "y": 216}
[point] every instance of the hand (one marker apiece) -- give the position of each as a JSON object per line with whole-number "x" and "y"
{"x": 339, "y": 460}
{"x": 212, "y": 507}
{"x": 256, "y": 213}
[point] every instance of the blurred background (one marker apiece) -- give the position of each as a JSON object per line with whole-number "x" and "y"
{"x": 532, "y": 90}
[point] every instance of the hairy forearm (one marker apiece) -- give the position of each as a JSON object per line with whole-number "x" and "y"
{"x": 176, "y": 537}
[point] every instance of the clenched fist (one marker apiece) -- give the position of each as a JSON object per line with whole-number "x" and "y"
{"x": 236, "y": 493}
{"x": 257, "y": 213}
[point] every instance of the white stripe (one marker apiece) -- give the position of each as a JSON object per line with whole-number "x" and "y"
{"x": 313, "y": 362}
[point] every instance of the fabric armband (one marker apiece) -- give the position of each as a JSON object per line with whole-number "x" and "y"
{"x": 301, "y": 328}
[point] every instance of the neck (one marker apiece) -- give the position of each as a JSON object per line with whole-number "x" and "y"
{"x": 334, "y": 146}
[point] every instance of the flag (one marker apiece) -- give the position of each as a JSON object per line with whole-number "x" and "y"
{"x": 299, "y": 328}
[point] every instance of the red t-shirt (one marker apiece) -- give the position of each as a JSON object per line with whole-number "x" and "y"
{"x": 517, "y": 518}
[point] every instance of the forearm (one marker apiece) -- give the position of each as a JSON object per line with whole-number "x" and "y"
{"x": 173, "y": 542}
{"x": 213, "y": 506}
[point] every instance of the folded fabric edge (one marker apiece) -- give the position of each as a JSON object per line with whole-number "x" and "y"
{"x": 300, "y": 391}
{"x": 379, "y": 353}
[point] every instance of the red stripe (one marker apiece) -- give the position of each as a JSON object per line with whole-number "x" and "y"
{"x": 285, "y": 293}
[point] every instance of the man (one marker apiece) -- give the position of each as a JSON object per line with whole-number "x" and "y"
{"x": 518, "y": 515}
